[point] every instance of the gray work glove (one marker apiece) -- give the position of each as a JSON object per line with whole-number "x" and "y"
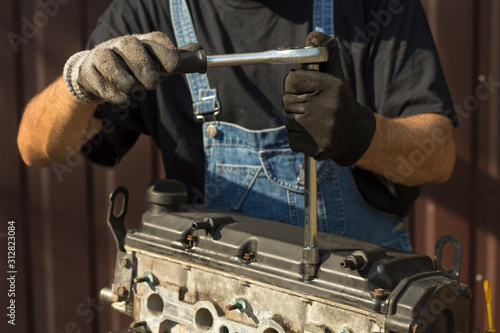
{"x": 322, "y": 116}
{"x": 121, "y": 66}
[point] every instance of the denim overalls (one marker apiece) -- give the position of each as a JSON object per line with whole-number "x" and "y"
{"x": 256, "y": 173}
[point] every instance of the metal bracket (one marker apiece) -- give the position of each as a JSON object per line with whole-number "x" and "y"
{"x": 116, "y": 223}
{"x": 125, "y": 263}
{"x": 454, "y": 272}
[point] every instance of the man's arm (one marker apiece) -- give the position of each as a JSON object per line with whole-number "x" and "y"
{"x": 53, "y": 125}
{"x": 326, "y": 122}
{"x": 58, "y": 121}
{"x": 411, "y": 151}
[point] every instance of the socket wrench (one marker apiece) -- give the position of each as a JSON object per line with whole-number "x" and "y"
{"x": 310, "y": 58}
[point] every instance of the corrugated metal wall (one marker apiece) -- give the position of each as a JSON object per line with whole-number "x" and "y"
{"x": 64, "y": 251}
{"x": 468, "y": 37}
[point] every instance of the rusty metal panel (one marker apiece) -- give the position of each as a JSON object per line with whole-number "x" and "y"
{"x": 487, "y": 172}
{"x": 445, "y": 208}
{"x": 59, "y": 213}
{"x": 68, "y": 225}
{"x": 467, "y": 36}
{"x": 12, "y": 180}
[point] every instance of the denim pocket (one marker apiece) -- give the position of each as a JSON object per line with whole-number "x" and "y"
{"x": 234, "y": 183}
{"x": 285, "y": 168}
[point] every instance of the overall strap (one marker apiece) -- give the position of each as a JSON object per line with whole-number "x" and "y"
{"x": 323, "y": 16}
{"x": 204, "y": 98}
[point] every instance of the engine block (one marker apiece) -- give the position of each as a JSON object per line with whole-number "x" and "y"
{"x": 208, "y": 270}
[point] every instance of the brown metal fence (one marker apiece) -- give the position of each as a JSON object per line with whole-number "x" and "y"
{"x": 64, "y": 251}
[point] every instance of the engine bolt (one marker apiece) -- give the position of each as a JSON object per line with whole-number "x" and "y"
{"x": 249, "y": 256}
{"x": 468, "y": 292}
{"x": 191, "y": 241}
{"x": 235, "y": 306}
{"x": 378, "y": 292}
{"x": 141, "y": 279}
{"x": 147, "y": 278}
{"x": 124, "y": 262}
{"x": 238, "y": 304}
{"x": 136, "y": 324}
{"x": 122, "y": 291}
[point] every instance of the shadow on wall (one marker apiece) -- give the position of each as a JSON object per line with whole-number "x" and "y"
{"x": 474, "y": 197}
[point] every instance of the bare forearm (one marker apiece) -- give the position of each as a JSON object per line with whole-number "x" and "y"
{"x": 413, "y": 150}
{"x": 54, "y": 125}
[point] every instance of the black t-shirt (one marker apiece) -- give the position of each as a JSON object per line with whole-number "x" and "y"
{"x": 388, "y": 57}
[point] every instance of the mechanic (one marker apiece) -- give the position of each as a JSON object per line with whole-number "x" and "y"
{"x": 379, "y": 116}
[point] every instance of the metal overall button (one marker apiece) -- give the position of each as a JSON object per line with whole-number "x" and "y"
{"x": 301, "y": 176}
{"x": 401, "y": 226}
{"x": 211, "y": 131}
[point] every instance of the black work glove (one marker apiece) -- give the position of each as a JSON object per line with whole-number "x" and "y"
{"x": 323, "y": 119}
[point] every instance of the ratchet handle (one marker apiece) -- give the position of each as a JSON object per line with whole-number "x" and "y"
{"x": 198, "y": 61}
{"x": 193, "y": 62}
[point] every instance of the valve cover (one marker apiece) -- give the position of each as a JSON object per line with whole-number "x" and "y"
{"x": 208, "y": 270}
